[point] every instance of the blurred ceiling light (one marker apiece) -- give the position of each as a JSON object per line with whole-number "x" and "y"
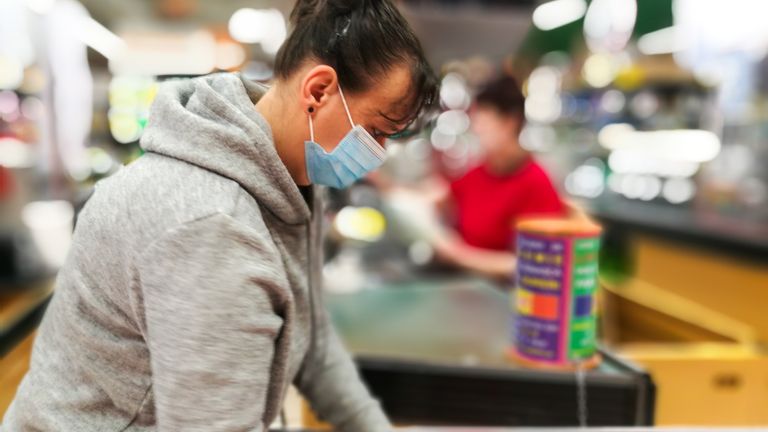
{"x": 664, "y": 41}
{"x": 543, "y": 103}
{"x": 16, "y": 32}
{"x": 152, "y": 53}
{"x": 98, "y": 37}
{"x": 644, "y": 104}
{"x": 558, "y": 13}
{"x": 678, "y": 190}
{"x": 132, "y": 92}
{"x": 651, "y": 188}
{"x": 80, "y": 174}
{"x": 40, "y": 6}
{"x": 11, "y": 72}
{"x": 15, "y": 154}
{"x": 262, "y": 26}
{"x": 442, "y": 141}
{"x": 723, "y": 42}
{"x": 544, "y": 81}
{"x": 543, "y": 109}
{"x": 453, "y": 92}
{"x": 360, "y": 223}
{"x": 124, "y": 125}
{"x": 634, "y": 162}
{"x": 711, "y": 28}
{"x": 608, "y": 24}
{"x": 453, "y": 122}
{"x": 599, "y": 70}
{"x": 229, "y": 55}
{"x": 9, "y": 102}
{"x": 585, "y": 181}
{"x": 690, "y": 145}
{"x": 418, "y": 149}
{"x": 420, "y": 252}
{"x": 632, "y": 186}
{"x": 50, "y": 223}
{"x": 538, "y": 138}
{"x": 394, "y": 149}
{"x": 101, "y": 162}
{"x": 613, "y": 101}
{"x": 643, "y": 187}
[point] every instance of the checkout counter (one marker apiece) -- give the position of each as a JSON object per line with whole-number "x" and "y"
{"x": 434, "y": 352}
{"x": 431, "y": 344}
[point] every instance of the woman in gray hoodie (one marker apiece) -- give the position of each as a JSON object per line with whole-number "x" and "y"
{"x": 190, "y": 297}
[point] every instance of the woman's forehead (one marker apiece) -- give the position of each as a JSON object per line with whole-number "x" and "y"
{"x": 391, "y": 94}
{"x": 394, "y": 109}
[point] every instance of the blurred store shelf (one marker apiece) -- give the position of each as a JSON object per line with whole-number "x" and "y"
{"x": 741, "y": 237}
{"x": 20, "y": 312}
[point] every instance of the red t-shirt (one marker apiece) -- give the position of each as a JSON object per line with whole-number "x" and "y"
{"x": 487, "y": 205}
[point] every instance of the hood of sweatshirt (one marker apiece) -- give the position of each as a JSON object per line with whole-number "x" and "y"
{"x": 212, "y": 122}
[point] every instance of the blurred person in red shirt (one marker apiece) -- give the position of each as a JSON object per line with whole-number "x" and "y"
{"x": 508, "y": 184}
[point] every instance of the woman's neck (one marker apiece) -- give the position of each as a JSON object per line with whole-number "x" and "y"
{"x": 282, "y": 122}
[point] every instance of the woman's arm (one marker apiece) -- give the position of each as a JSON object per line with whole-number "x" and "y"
{"x": 332, "y": 385}
{"x": 452, "y": 249}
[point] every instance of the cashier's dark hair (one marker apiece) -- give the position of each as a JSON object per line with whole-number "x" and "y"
{"x": 505, "y": 96}
{"x": 362, "y": 40}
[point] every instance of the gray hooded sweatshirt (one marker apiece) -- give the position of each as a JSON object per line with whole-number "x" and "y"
{"x": 190, "y": 298}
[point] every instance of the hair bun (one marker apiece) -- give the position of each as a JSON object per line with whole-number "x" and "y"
{"x": 347, "y": 6}
{"x": 306, "y": 10}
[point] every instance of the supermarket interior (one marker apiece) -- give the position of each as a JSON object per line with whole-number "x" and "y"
{"x": 569, "y": 228}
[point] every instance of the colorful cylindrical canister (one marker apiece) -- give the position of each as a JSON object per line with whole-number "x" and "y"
{"x": 554, "y": 304}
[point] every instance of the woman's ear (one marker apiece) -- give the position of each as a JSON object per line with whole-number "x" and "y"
{"x": 318, "y": 83}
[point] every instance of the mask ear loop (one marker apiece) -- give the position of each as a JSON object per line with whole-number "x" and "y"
{"x": 346, "y": 108}
{"x": 311, "y": 127}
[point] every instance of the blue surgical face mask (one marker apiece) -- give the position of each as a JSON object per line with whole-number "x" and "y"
{"x": 357, "y": 154}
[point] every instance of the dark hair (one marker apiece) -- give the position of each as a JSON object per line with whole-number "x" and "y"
{"x": 362, "y": 40}
{"x": 505, "y": 96}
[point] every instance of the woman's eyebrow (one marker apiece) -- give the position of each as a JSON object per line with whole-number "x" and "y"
{"x": 393, "y": 121}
